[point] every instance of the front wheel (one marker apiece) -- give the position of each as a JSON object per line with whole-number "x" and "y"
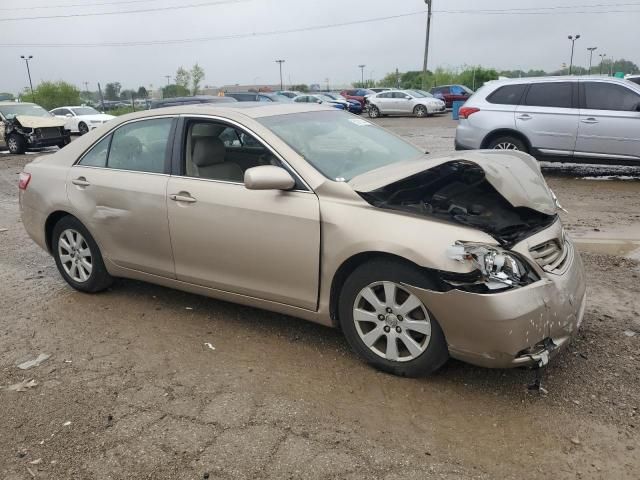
{"x": 82, "y": 128}
{"x": 78, "y": 257}
{"x": 374, "y": 112}
{"x": 16, "y": 144}
{"x": 420, "y": 111}
{"x": 386, "y": 324}
{"x": 507, "y": 143}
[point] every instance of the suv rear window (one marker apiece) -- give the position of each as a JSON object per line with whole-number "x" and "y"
{"x": 552, "y": 94}
{"x": 507, "y": 95}
{"x": 606, "y": 96}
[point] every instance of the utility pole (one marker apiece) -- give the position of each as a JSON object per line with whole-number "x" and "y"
{"x": 591, "y": 49}
{"x": 573, "y": 42}
{"x": 101, "y": 97}
{"x": 26, "y": 60}
{"x": 426, "y": 42}
{"x": 361, "y": 67}
{"x": 86, "y": 86}
{"x": 280, "y": 62}
{"x": 168, "y": 77}
{"x": 602, "y": 57}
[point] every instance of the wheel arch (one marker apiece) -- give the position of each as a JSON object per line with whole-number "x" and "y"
{"x": 505, "y": 132}
{"x": 49, "y": 225}
{"x": 349, "y": 266}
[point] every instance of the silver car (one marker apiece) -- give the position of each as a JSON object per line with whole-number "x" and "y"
{"x": 557, "y": 118}
{"x": 404, "y": 102}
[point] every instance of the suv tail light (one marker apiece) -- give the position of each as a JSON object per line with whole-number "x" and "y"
{"x": 466, "y": 112}
{"x": 23, "y": 180}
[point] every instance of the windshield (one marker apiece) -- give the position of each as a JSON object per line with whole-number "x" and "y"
{"x": 12, "y": 111}
{"x": 415, "y": 93}
{"x": 424, "y": 94}
{"x": 335, "y": 96}
{"x": 85, "y": 111}
{"x": 339, "y": 145}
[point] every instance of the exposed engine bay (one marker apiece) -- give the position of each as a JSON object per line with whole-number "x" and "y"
{"x": 458, "y": 191}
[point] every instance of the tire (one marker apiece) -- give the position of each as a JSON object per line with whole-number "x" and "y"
{"x": 377, "y": 277}
{"x": 507, "y": 142}
{"x": 92, "y": 279}
{"x": 373, "y": 111}
{"x": 82, "y": 128}
{"x": 16, "y": 144}
{"x": 420, "y": 111}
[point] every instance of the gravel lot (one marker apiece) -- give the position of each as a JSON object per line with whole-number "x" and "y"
{"x": 131, "y": 391}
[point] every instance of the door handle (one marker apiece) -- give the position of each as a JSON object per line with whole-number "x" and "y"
{"x": 524, "y": 116}
{"x": 80, "y": 181}
{"x": 182, "y": 197}
{"x": 589, "y": 120}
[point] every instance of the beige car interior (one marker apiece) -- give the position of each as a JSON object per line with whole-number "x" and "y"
{"x": 218, "y": 152}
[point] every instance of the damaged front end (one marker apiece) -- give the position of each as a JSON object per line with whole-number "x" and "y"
{"x": 37, "y": 132}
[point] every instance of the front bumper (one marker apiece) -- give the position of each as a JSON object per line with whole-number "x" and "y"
{"x": 519, "y": 327}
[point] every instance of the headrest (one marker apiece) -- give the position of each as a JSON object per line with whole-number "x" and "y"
{"x": 208, "y": 151}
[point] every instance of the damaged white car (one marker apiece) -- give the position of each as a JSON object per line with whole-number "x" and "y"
{"x": 25, "y": 126}
{"x": 316, "y": 213}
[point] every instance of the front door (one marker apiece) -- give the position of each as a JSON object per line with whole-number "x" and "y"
{"x": 118, "y": 191}
{"x": 263, "y": 244}
{"x": 609, "y": 121}
{"x": 548, "y": 117}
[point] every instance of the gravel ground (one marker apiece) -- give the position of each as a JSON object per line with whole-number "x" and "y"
{"x": 131, "y": 391}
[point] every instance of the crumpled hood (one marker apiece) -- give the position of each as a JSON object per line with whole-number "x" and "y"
{"x": 515, "y": 175}
{"x": 39, "y": 122}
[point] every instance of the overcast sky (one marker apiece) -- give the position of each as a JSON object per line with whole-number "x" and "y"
{"x": 524, "y": 40}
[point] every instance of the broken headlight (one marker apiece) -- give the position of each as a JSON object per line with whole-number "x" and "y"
{"x": 496, "y": 268}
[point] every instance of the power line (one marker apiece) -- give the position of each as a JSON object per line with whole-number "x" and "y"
{"x": 126, "y": 12}
{"x": 75, "y": 5}
{"x": 540, "y": 10}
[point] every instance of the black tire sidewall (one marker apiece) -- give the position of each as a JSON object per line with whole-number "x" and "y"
{"x": 80, "y": 130}
{"x": 20, "y": 142}
{"x": 99, "y": 278}
{"x": 436, "y": 353}
{"x": 506, "y": 138}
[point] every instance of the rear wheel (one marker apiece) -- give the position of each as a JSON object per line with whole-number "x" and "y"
{"x": 374, "y": 112}
{"x": 507, "y": 142}
{"x": 78, "y": 257}
{"x": 386, "y": 324}
{"x": 16, "y": 144}
{"x": 82, "y": 128}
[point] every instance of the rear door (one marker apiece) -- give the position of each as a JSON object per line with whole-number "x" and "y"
{"x": 609, "y": 121}
{"x": 118, "y": 191}
{"x": 384, "y": 102}
{"x": 548, "y": 116}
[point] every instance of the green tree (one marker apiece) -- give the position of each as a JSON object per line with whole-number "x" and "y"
{"x": 301, "y": 87}
{"x": 183, "y": 78}
{"x": 174, "y": 90}
{"x": 112, "y": 91}
{"x": 475, "y": 77}
{"x": 142, "y": 92}
{"x": 6, "y": 96}
{"x": 56, "y": 94}
{"x": 127, "y": 94}
{"x": 197, "y": 75}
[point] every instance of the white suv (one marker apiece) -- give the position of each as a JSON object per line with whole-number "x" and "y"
{"x": 557, "y": 118}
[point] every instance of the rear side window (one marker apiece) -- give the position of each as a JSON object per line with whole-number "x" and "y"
{"x": 635, "y": 80}
{"x": 553, "y": 94}
{"x": 507, "y": 95}
{"x": 606, "y": 96}
{"x": 138, "y": 146}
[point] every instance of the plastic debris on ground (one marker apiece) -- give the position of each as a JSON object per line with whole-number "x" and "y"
{"x": 35, "y": 362}
{"x": 207, "y": 344}
{"x": 22, "y": 386}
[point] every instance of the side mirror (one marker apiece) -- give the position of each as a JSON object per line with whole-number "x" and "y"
{"x": 68, "y": 115}
{"x": 268, "y": 177}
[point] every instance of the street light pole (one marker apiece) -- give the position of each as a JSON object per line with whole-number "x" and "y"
{"x": 591, "y": 49}
{"x": 602, "y": 57}
{"x": 426, "y": 42}
{"x": 26, "y": 60}
{"x": 280, "y": 62}
{"x": 573, "y": 42}
{"x": 361, "y": 67}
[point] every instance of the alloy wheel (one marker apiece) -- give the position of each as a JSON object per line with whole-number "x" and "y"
{"x": 391, "y": 321}
{"x": 75, "y": 255}
{"x": 505, "y": 146}
{"x": 13, "y": 145}
{"x": 421, "y": 111}
{"x": 373, "y": 111}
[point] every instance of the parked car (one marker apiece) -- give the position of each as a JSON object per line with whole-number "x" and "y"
{"x": 179, "y": 101}
{"x": 258, "y": 97}
{"x": 26, "y": 126}
{"x": 381, "y": 89}
{"x": 353, "y": 106}
{"x": 321, "y": 98}
{"x": 358, "y": 94}
{"x": 81, "y": 119}
{"x": 452, "y": 93}
{"x": 633, "y": 78}
{"x": 324, "y": 216}
{"x": 289, "y": 93}
{"x": 404, "y": 102}
{"x": 563, "y": 118}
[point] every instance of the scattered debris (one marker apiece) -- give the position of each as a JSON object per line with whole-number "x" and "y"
{"x": 35, "y": 362}
{"x": 629, "y": 333}
{"x": 68, "y": 361}
{"x": 188, "y": 308}
{"x": 209, "y": 345}
{"x": 31, "y": 472}
{"x": 66, "y": 424}
{"x": 22, "y": 386}
{"x": 575, "y": 441}
{"x": 2, "y": 230}
{"x": 37, "y": 461}
{"x": 109, "y": 421}
{"x": 22, "y": 453}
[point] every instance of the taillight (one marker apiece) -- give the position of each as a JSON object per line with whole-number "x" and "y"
{"x": 23, "y": 180}
{"x": 466, "y": 112}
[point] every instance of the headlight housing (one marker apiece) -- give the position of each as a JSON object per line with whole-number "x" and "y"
{"x": 497, "y": 268}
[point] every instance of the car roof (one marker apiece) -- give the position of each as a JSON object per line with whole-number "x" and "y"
{"x": 249, "y": 109}
{"x": 574, "y": 78}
